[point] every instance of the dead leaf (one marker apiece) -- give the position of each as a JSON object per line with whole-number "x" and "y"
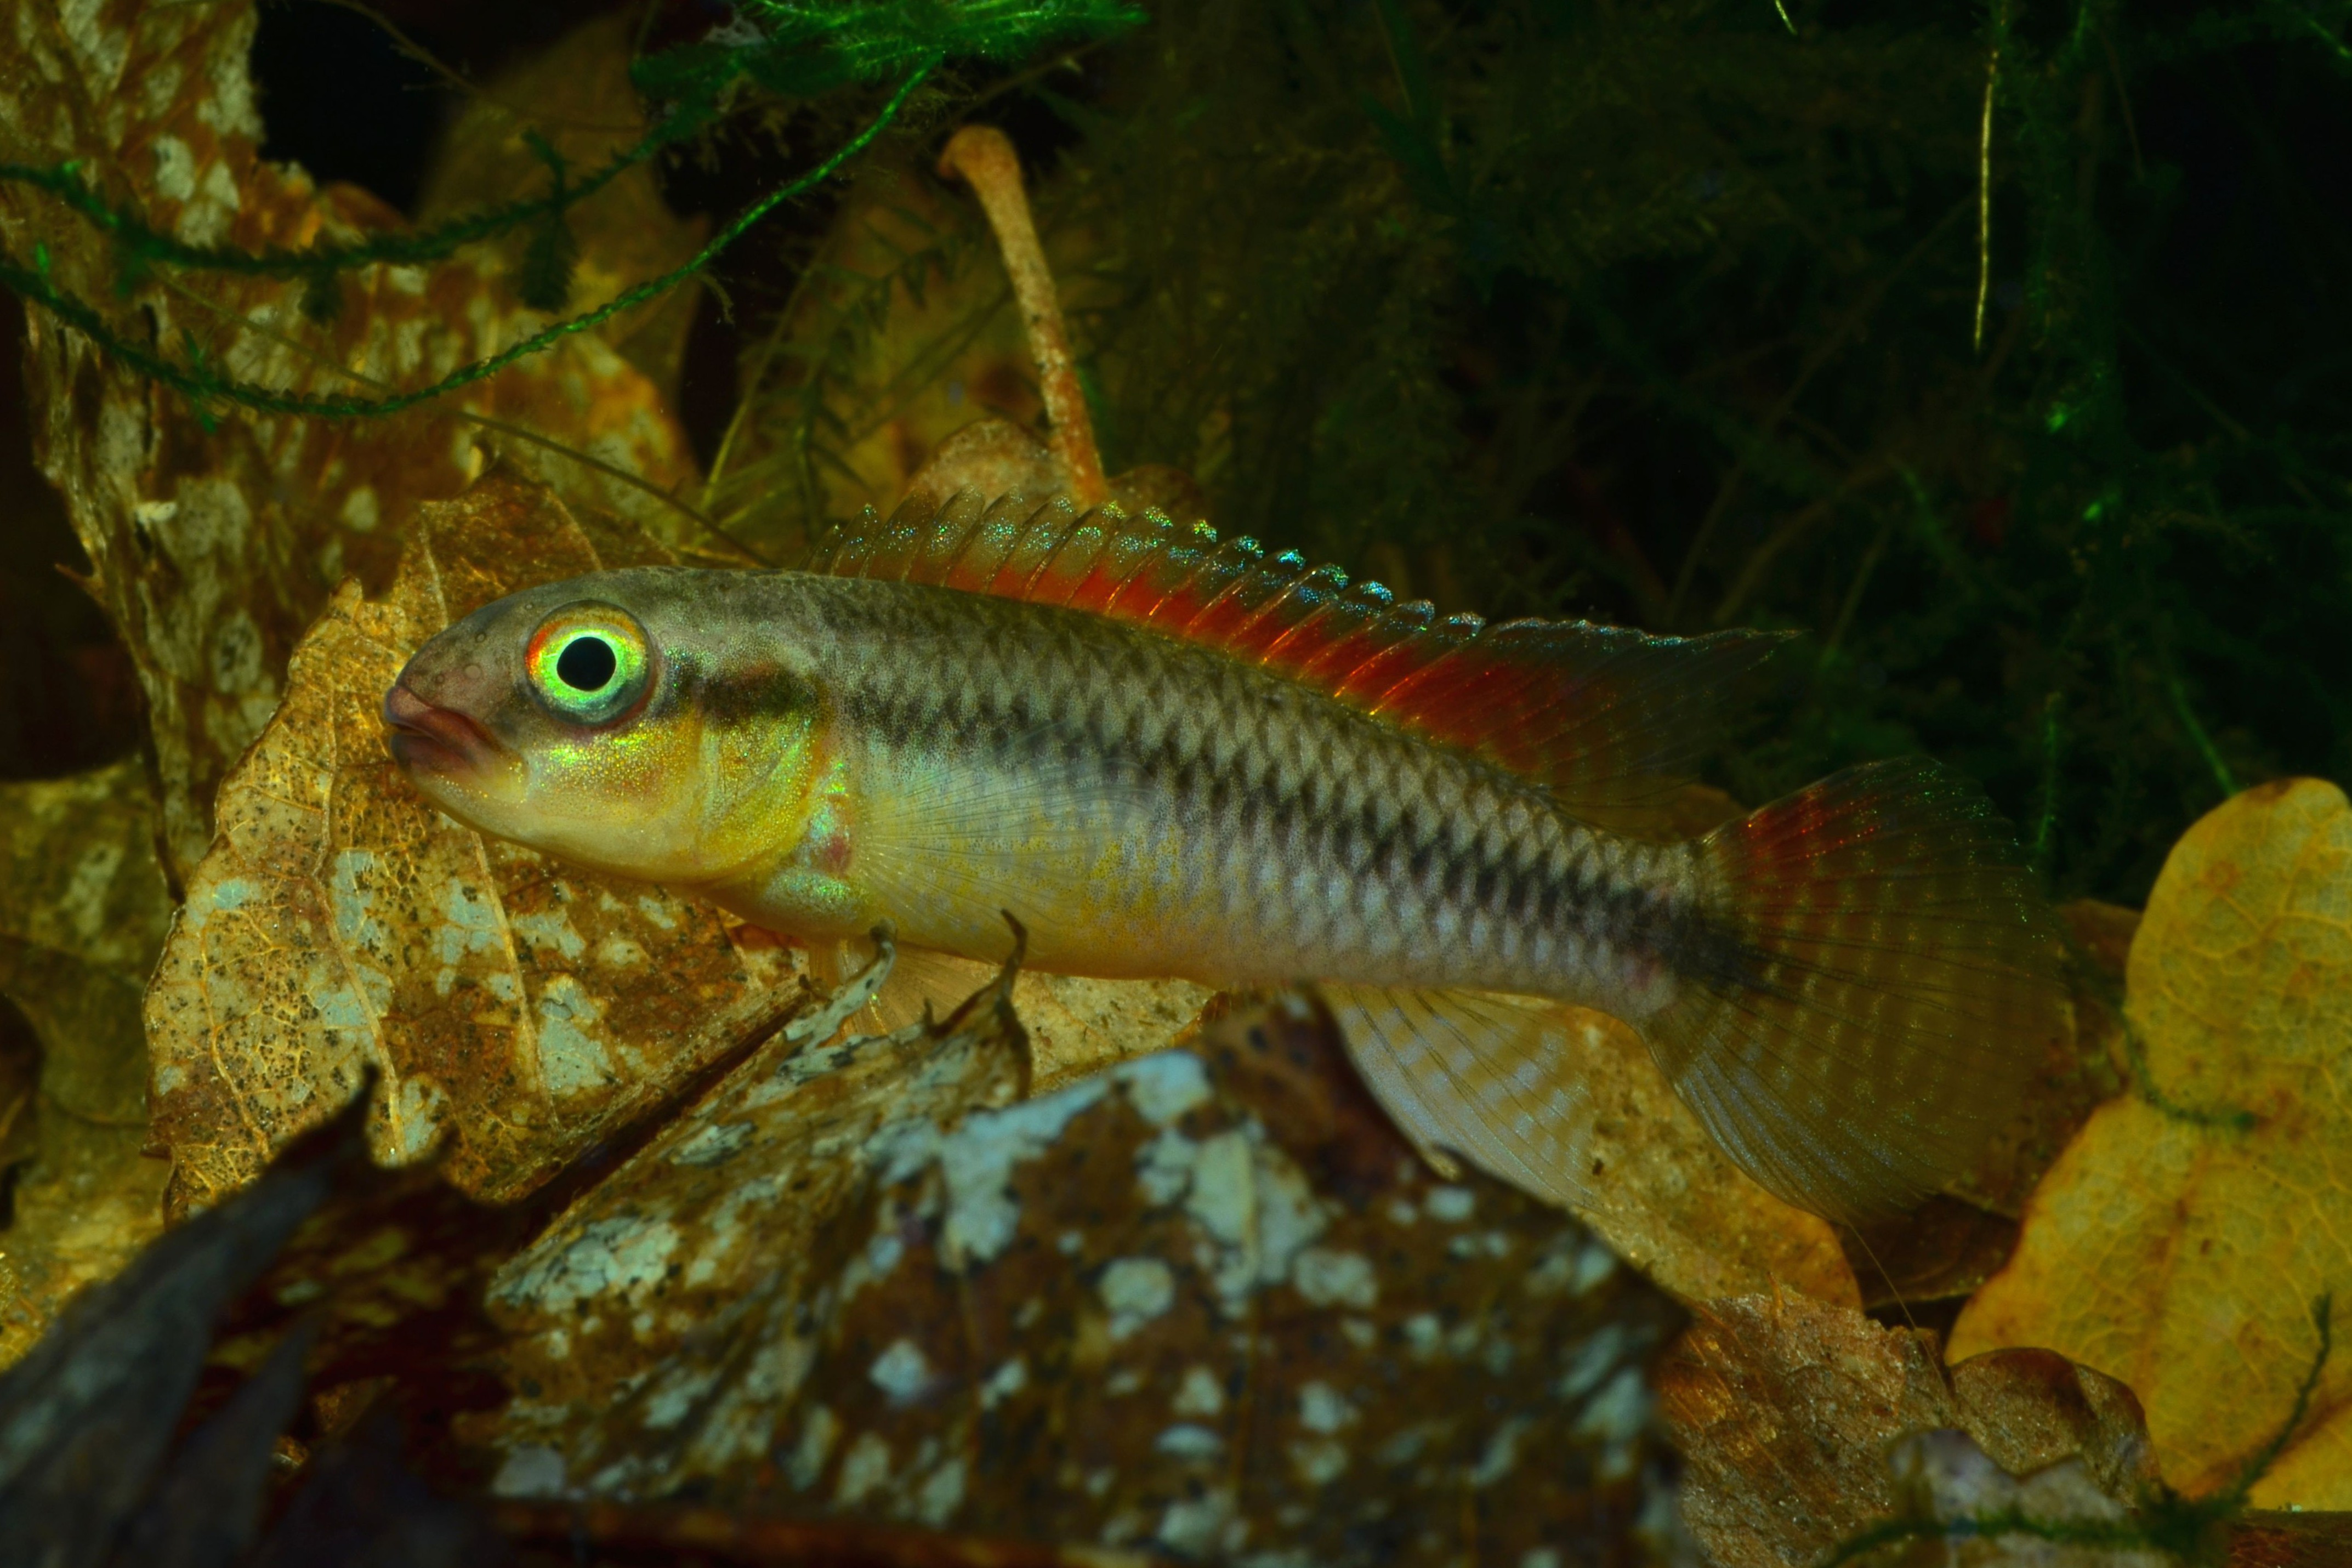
{"x": 105, "y": 1458}
{"x": 1785, "y": 1411}
{"x": 1206, "y": 1299}
{"x": 689, "y": 1243}
{"x": 216, "y": 544}
{"x": 903, "y": 333}
{"x": 515, "y": 1011}
{"x": 83, "y": 909}
{"x": 2173, "y": 1245}
{"x": 904, "y": 370}
{"x": 663, "y": 1534}
{"x": 87, "y": 1418}
{"x": 577, "y": 96}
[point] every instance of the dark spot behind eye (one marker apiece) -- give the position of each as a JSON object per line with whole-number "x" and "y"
{"x": 586, "y": 664}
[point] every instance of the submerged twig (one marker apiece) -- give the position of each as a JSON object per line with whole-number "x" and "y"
{"x": 984, "y": 159}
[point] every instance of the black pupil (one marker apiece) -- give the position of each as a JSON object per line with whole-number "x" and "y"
{"x": 586, "y": 664}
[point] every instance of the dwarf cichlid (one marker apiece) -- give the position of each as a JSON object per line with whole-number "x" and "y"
{"x": 1171, "y": 756}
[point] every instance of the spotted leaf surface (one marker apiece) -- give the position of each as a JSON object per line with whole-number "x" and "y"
{"x": 1204, "y": 1303}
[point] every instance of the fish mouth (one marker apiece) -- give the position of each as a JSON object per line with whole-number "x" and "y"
{"x": 433, "y": 739}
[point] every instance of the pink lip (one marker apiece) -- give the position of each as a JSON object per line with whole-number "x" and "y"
{"x": 437, "y": 739}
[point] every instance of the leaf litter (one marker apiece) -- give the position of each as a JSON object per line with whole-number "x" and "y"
{"x": 1209, "y": 1300}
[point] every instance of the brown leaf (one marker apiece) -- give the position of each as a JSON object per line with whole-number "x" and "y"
{"x": 1785, "y": 1411}
{"x": 903, "y": 334}
{"x": 83, "y": 909}
{"x": 215, "y": 544}
{"x": 2182, "y": 1245}
{"x": 650, "y": 1276}
{"x": 87, "y": 1417}
{"x": 1208, "y": 1299}
{"x": 671, "y": 1535}
{"x": 515, "y": 1011}
{"x": 577, "y": 95}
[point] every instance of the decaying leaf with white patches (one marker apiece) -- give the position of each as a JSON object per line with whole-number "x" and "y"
{"x": 1206, "y": 1302}
{"x": 216, "y": 534}
{"x": 515, "y": 1010}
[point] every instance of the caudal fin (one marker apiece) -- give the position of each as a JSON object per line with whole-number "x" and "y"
{"x": 1894, "y": 986}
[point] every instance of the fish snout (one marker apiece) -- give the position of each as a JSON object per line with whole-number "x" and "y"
{"x": 427, "y": 737}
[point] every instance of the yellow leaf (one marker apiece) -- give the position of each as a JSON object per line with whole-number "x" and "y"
{"x": 2181, "y": 1240}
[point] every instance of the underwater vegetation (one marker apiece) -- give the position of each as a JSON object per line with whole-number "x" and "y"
{"x": 377, "y": 1183}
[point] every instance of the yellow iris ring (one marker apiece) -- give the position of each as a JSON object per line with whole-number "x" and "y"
{"x": 623, "y": 682}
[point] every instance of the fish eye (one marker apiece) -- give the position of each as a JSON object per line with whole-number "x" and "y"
{"x": 588, "y": 663}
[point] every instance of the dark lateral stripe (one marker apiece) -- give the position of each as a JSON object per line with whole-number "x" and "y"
{"x": 738, "y": 695}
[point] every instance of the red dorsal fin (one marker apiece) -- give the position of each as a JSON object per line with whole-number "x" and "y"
{"x": 1604, "y": 717}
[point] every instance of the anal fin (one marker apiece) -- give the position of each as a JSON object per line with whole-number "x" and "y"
{"x": 1487, "y": 1078}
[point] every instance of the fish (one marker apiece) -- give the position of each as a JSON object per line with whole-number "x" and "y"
{"x": 1168, "y": 754}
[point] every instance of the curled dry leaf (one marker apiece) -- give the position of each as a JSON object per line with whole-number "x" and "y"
{"x": 904, "y": 368}
{"x": 903, "y": 333}
{"x": 1206, "y": 1302}
{"x": 87, "y": 1419}
{"x": 1786, "y": 1410}
{"x": 114, "y": 1450}
{"x": 216, "y": 536}
{"x": 515, "y": 1011}
{"x": 83, "y": 909}
{"x": 2183, "y": 1238}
